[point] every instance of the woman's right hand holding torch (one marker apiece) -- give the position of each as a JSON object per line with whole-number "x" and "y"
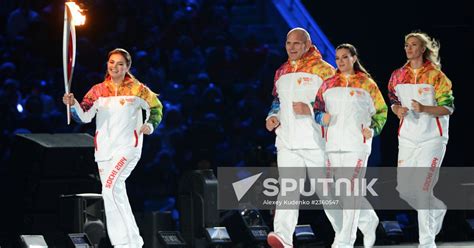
{"x": 68, "y": 99}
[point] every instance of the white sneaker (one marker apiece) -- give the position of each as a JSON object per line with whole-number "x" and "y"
{"x": 369, "y": 239}
{"x": 439, "y": 220}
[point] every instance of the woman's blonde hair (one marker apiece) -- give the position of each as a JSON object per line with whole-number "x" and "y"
{"x": 431, "y": 46}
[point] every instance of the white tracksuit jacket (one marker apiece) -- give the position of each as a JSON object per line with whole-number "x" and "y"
{"x": 354, "y": 103}
{"x": 298, "y": 81}
{"x": 118, "y": 115}
{"x": 429, "y": 86}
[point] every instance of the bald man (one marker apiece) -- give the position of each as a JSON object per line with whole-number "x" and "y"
{"x": 299, "y": 139}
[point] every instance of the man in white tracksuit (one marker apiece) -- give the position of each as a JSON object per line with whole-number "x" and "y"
{"x": 299, "y": 139}
{"x": 352, "y": 109}
{"x": 117, "y": 105}
{"x": 422, "y": 99}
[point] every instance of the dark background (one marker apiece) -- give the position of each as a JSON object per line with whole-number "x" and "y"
{"x": 377, "y": 29}
{"x": 213, "y": 68}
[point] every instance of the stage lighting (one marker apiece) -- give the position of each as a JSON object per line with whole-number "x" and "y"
{"x": 255, "y": 225}
{"x": 197, "y": 203}
{"x": 150, "y": 223}
{"x": 79, "y": 240}
{"x": 246, "y": 227}
{"x": 217, "y": 236}
{"x": 392, "y": 228}
{"x": 83, "y": 213}
{"x": 304, "y": 234}
{"x": 259, "y": 233}
{"x": 171, "y": 239}
{"x": 392, "y": 232}
{"x": 33, "y": 241}
{"x": 252, "y": 217}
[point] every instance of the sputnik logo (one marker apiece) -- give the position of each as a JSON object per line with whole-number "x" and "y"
{"x": 242, "y": 186}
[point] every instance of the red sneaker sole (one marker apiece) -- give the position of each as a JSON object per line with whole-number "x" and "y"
{"x": 274, "y": 241}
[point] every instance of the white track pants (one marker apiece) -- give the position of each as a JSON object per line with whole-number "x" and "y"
{"x": 121, "y": 226}
{"x": 415, "y": 186}
{"x": 357, "y": 211}
{"x": 286, "y": 220}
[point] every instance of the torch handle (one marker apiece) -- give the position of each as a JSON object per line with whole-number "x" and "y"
{"x": 68, "y": 110}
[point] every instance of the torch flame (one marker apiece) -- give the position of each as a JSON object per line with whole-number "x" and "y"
{"x": 76, "y": 12}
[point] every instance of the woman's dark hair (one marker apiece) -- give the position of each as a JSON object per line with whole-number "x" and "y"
{"x": 126, "y": 55}
{"x": 357, "y": 65}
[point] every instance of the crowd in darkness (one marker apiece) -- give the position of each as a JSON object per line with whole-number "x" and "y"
{"x": 215, "y": 86}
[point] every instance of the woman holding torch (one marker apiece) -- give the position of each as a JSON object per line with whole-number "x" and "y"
{"x": 117, "y": 104}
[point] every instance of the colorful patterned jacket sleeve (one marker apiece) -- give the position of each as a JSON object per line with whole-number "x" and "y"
{"x": 443, "y": 92}
{"x": 84, "y": 112}
{"x": 155, "y": 114}
{"x": 275, "y": 107}
{"x": 325, "y": 71}
{"x": 380, "y": 116}
{"x": 392, "y": 94}
{"x": 319, "y": 105}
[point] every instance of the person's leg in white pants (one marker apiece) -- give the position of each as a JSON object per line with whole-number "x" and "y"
{"x": 121, "y": 226}
{"x": 417, "y": 175}
{"x": 368, "y": 222}
{"x": 285, "y": 220}
{"x": 357, "y": 210}
{"x": 316, "y": 171}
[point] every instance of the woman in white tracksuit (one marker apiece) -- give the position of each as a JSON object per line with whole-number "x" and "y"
{"x": 117, "y": 104}
{"x": 351, "y": 108}
{"x": 421, "y": 97}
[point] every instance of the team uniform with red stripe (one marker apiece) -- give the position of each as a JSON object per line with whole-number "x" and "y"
{"x": 422, "y": 142}
{"x": 354, "y": 103}
{"x": 298, "y": 137}
{"x": 118, "y": 143}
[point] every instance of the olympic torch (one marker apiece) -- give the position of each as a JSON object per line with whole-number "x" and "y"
{"x": 72, "y": 17}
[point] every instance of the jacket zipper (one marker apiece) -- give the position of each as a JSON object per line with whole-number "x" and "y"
{"x": 416, "y": 76}
{"x": 291, "y": 97}
{"x": 344, "y": 102}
